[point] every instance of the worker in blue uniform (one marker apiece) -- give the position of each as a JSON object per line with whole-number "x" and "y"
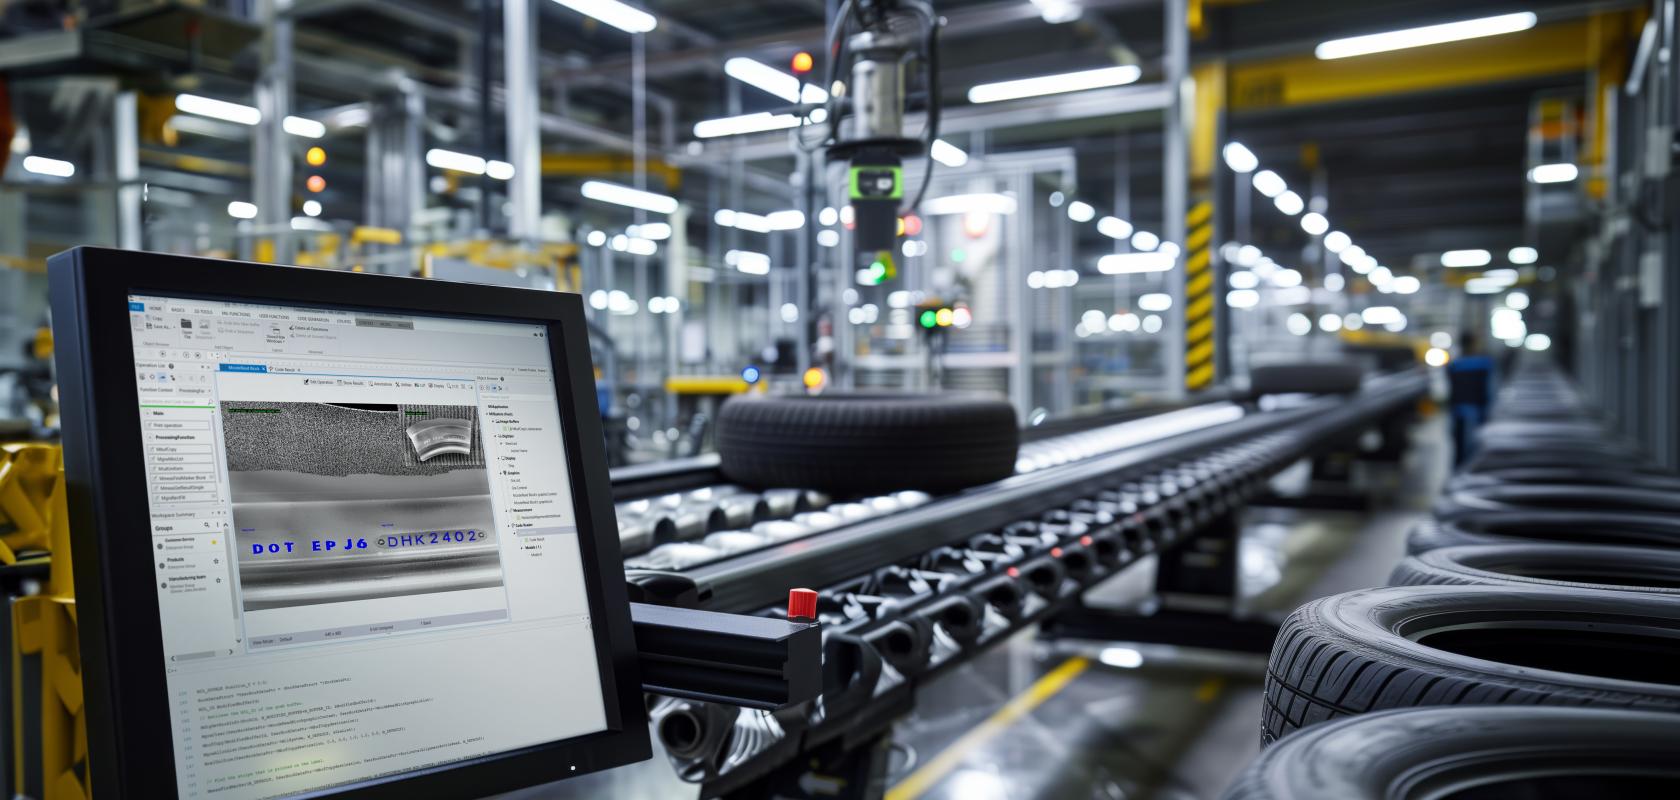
{"x": 1470, "y": 379}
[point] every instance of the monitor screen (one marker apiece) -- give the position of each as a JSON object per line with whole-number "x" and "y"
{"x": 366, "y": 544}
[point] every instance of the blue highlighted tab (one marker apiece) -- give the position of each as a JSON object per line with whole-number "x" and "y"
{"x": 134, "y": 306}
{"x": 245, "y": 368}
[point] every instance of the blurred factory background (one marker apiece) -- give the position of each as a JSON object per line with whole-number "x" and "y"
{"x": 1319, "y": 200}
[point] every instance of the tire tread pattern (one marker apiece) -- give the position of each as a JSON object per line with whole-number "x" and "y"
{"x": 1316, "y": 674}
{"x": 868, "y": 442}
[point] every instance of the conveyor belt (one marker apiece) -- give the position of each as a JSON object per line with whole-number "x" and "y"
{"x": 682, "y": 530}
{"x": 908, "y": 594}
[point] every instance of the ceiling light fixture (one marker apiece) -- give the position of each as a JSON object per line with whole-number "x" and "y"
{"x": 304, "y": 126}
{"x": 1239, "y": 158}
{"x": 1269, "y": 183}
{"x": 766, "y": 78}
{"x": 751, "y": 123}
{"x": 625, "y": 196}
{"x": 1114, "y": 228}
{"x": 1054, "y": 84}
{"x": 1466, "y": 258}
{"x": 965, "y": 203}
{"x": 1554, "y": 173}
{"x": 614, "y": 13}
{"x": 218, "y": 109}
{"x": 1426, "y": 35}
{"x": 1131, "y": 263}
{"x": 948, "y": 154}
{"x": 51, "y": 167}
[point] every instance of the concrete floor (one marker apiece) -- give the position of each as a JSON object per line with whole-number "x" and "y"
{"x": 1115, "y": 720}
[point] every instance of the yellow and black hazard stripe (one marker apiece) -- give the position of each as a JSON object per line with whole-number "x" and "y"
{"x": 1198, "y": 297}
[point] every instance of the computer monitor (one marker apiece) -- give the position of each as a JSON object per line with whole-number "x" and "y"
{"x": 337, "y": 533}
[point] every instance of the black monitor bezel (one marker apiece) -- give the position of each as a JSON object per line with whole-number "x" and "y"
{"x": 130, "y": 740}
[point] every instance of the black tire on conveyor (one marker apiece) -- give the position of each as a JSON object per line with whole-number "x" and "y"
{"x": 1407, "y": 646}
{"x": 1328, "y": 377}
{"x": 1489, "y": 752}
{"x": 864, "y": 443}
{"x": 1570, "y": 566}
{"x": 1516, "y": 527}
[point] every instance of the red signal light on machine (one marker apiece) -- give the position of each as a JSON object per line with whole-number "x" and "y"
{"x": 802, "y": 62}
{"x": 910, "y": 225}
{"x": 316, "y": 183}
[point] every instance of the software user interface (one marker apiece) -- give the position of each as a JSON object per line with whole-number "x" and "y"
{"x": 367, "y": 557}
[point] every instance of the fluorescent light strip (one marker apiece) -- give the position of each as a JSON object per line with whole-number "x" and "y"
{"x": 746, "y": 123}
{"x": 616, "y": 194}
{"x": 1269, "y": 183}
{"x": 469, "y": 163}
{"x": 52, "y": 167}
{"x": 766, "y": 78}
{"x": 245, "y": 115}
{"x": 218, "y": 109}
{"x": 948, "y": 154}
{"x": 788, "y": 220}
{"x": 1466, "y": 258}
{"x": 304, "y": 126}
{"x": 1240, "y": 158}
{"x": 1114, "y": 228}
{"x": 657, "y": 231}
{"x": 1057, "y": 12}
{"x": 748, "y": 262}
{"x": 1381, "y": 315}
{"x": 1131, "y": 263}
{"x": 1554, "y": 173}
{"x": 451, "y": 160}
{"x": 1424, "y": 36}
{"x": 965, "y": 203}
{"x": 1054, "y": 84}
{"x": 614, "y": 13}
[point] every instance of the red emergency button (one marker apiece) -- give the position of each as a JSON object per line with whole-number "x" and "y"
{"x": 802, "y": 604}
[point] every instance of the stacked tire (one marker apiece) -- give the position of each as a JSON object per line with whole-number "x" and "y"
{"x": 1528, "y": 645}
